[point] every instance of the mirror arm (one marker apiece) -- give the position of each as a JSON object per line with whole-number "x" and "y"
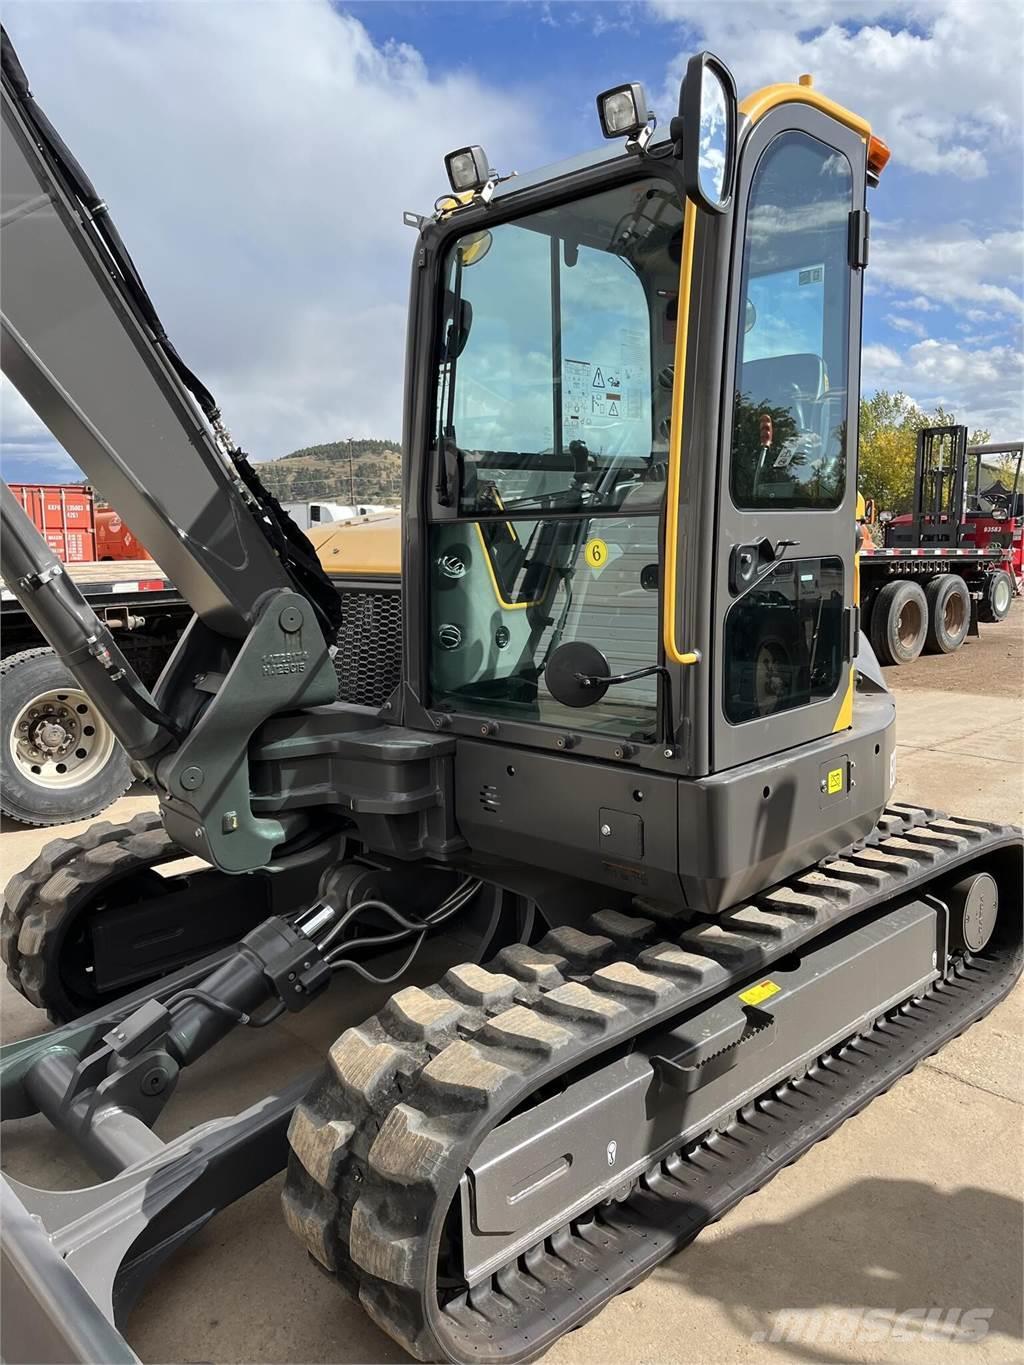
{"x": 668, "y": 729}
{"x": 588, "y": 680}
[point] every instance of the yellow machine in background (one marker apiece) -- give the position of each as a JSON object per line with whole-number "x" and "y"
{"x": 368, "y": 548}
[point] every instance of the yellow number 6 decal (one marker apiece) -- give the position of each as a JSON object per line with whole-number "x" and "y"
{"x": 596, "y": 553}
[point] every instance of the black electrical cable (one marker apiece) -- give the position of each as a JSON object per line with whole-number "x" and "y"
{"x": 374, "y": 941}
{"x": 343, "y": 964}
{"x": 222, "y": 1007}
{"x": 269, "y": 1017}
{"x": 397, "y": 935}
{"x": 414, "y": 926}
{"x": 459, "y": 898}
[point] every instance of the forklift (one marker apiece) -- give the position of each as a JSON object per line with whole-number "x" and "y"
{"x": 639, "y": 748}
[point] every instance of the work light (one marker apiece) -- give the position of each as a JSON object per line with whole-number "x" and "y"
{"x": 468, "y": 169}
{"x": 623, "y": 110}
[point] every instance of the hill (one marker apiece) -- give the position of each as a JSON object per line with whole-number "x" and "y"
{"x": 360, "y": 470}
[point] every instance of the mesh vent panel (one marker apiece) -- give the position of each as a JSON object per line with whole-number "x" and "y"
{"x": 369, "y": 658}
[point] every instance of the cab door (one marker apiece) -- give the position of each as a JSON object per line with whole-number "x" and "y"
{"x": 784, "y": 622}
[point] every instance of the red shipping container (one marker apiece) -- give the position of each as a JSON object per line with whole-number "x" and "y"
{"x": 65, "y": 514}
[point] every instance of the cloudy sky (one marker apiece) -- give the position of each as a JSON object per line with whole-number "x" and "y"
{"x": 257, "y": 156}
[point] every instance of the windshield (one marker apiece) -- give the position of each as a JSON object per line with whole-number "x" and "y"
{"x": 553, "y": 403}
{"x": 554, "y": 385}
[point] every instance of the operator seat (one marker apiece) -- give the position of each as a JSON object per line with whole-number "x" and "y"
{"x": 797, "y": 382}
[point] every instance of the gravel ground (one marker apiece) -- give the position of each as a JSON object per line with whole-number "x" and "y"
{"x": 912, "y": 1207}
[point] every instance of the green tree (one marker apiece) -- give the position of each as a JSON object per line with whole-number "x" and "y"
{"x": 887, "y": 452}
{"x": 1004, "y": 468}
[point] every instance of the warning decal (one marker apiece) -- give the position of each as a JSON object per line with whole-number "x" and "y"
{"x": 763, "y": 991}
{"x": 575, "y": 405}
{"x": 835, "y": 781}
{"x": 598, "y": 379}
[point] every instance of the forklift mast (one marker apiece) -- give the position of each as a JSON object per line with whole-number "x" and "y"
{"x": 939, "y": 513}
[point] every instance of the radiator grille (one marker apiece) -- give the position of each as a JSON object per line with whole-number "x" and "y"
{"x": 369, "y": 658}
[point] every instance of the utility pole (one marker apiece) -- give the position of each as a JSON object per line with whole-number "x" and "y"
{"x": 351, "y": 477}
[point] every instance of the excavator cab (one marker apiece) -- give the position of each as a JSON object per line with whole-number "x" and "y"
{"x": 631, "y": 494}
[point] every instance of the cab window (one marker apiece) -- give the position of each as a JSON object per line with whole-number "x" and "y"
{"x": 553, "y": 401}
{"x": 789, "y": 439}
{"x": 784, "y": 640}
{"x": 556, "y": 394}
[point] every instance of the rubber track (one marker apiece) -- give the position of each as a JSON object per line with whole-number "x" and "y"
{"x": 381, "y": 1141}
{"x": 40, "y": 901}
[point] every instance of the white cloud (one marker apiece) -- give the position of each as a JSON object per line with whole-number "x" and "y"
{"x": 924, "y": 72}
{"x": 984, "y": 386}
{"x": 952, "y": 267}
{"x": 919, "y": 304}
{"x": 901, "y": 324}
{"x": 24, "y": 438}
{"x": 877, "y": 359}
{"x": 257, "y": 159}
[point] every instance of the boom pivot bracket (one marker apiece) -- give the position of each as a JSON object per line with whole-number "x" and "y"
{"x": 283, "y": 664}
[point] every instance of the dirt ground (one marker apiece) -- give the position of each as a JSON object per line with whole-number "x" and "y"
{"x": 913, "y": 1207}
{"x": 991, "y": 663}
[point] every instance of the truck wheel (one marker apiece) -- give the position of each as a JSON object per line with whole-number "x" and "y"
{"x": 949, "y": 613}
{"x": 995, "y": 602}
{"x": 899, "y": 622}
{"x": 59, "y": 760}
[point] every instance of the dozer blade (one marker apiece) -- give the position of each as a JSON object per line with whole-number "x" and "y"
{"x": 447, "y": 1166}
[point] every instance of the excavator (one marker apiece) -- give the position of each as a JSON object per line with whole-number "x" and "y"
{"x": 634, "y": 747}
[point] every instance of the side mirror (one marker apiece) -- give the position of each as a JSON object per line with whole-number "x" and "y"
{"x": 708, "y": 115}
{"x": 885, "y": 517}
{"x": 577, "y": 673}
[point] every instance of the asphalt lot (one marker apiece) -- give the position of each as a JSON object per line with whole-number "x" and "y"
{"x": 913, "y": 1205}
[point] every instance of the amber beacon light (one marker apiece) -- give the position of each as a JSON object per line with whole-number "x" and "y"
{"x": 878, "y": 155}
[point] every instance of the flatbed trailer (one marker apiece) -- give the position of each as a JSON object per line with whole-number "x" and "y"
{"x": 943, "y": 567}
{"x": 111, "y": 586}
